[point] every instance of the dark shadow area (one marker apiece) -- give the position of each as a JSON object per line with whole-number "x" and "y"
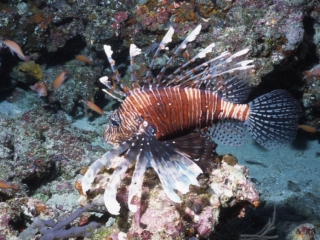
{"x": 8, "y": 62}
{"x": 268, "y": 221}
{"x": 302, "y": 139}
{"x": 64, "y": 54}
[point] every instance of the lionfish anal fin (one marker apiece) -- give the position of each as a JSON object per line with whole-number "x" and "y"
{"x": 196, "y": 146}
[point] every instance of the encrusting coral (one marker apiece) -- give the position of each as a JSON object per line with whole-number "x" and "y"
{"x": 32, "y": 69}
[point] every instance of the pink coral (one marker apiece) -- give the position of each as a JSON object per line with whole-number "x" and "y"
{"x": 119, "y": 17}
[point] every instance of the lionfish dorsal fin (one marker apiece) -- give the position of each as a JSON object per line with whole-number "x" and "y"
{"x": 134, "y": 51}
{"x": 166, "y": 39}
{"x": 104, "y": 81}
{"x": 112, "y": 86}
{"x": 224, "y": 74}
{"x": 191, "y": 37}
{"x": 108, "y": 51}
{"x": 171, "y": 80}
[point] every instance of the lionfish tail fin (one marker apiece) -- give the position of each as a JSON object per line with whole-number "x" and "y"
{"x": 273, "y": 119}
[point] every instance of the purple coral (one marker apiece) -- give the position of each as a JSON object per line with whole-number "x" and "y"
{"x": 119, "y": 17}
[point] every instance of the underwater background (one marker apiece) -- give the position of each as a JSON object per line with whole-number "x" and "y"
{"x": 50, "y": 134}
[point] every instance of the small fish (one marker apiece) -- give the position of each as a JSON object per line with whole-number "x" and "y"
{"x": 6, "y": 185}
{"x": 307, "y": 128}
{"x": 95, "y": 108}
{"x": 156, "y": 125}
{"x": 15, "y": 48}
{"x": 59, "y": 80}
{"x": 40, "y": 88}
{"x": 84, "y": 59}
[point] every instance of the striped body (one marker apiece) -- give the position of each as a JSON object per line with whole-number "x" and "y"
{"x": 173, "y": 111}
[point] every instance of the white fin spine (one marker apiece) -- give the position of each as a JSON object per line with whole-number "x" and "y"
{"x": 204, "y": 52}
{"x": 185, "y": 78}
{"x": 134, "y": 51}
{"x": 167, "y": 38}
{"x": 162, "y": 46}
{"x": 238, "y": 54}
{"x": 245, "y": 63}
{"x": 191, "y": 37}
{"x": 110, "y": 192}
{"x": 108, "y": 51}
{"x": 242, "y": 67}
{"x": 104, "y": 80}
{"x": 113, "y": 96}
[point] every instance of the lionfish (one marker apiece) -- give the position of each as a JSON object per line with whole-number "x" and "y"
{"x": 161, "y": 123}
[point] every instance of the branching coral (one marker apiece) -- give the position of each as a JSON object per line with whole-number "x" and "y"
{"x": 51, "y": 230}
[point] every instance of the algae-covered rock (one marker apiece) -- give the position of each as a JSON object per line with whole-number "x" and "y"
{"x": 32, "y": 69}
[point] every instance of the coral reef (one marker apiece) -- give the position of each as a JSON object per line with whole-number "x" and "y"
{"x": 45, "y": 145}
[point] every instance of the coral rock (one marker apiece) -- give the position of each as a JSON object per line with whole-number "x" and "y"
{"x": 302, "y": 232}
{"x": 32, "y": 69}
{"x": 198, "y": 214}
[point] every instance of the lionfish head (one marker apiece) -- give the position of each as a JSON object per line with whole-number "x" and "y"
{"x": 115, "y": 131}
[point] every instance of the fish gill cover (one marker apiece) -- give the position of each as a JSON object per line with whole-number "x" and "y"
{"x": 158, "y": 115}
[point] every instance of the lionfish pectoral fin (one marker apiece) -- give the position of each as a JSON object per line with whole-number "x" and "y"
{"x": 128, "y": 158}
{"x": 230, "y": 132}
{"x": 137, "y": 152}
{"x": 110, "y": 192}
{"x": 137, "y": 180}
{"x": 197, "y": 146}
{"x": 105, "y": 160}
{"x": 175, "y": 170}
